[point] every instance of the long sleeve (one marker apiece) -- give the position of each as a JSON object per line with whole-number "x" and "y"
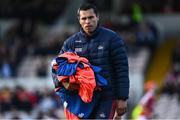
{"x": 120, "y": 68}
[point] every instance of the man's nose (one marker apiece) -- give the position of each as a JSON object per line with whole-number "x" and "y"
{"x": 87, "y": 20}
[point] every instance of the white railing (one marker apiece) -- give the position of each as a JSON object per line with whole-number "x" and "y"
{"x": 28, "y": 83}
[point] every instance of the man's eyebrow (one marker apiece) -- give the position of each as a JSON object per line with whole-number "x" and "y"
{"x": 87, "y": 17}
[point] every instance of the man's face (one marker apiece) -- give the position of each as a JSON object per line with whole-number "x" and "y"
{"x": 88, "y": 20}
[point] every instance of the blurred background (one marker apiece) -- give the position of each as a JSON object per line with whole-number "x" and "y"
{"x": 32, "y": 33}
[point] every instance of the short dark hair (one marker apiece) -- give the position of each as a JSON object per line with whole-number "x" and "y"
{"x": 87, "y": 6}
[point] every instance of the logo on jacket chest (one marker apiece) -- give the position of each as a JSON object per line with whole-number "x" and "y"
{"x": 100, "y": 47}
{"x": 78, "y": 46}
{"x": 78, "y": 49}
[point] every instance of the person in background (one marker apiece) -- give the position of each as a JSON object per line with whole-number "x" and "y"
{"x": 106, "y": 49}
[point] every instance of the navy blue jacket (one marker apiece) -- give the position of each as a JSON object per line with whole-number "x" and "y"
{"x": 106, "y": 50}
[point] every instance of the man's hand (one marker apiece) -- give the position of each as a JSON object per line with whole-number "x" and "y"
{"x": 121, "y": 107}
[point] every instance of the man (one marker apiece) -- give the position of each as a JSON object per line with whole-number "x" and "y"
{"x": 105, "y": 49}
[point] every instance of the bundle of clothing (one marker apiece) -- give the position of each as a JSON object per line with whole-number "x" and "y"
{"x": 78, "y": 80}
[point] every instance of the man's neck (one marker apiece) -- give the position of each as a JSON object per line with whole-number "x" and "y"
{"x": 89, "y": 34}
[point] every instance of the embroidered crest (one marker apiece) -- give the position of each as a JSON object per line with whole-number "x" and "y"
{"x": 102, "y": 115}
{"x": 81, "y": 115}
{"x": 100, "y": 47}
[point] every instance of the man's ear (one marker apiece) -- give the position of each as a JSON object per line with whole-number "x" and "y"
{"x": 78, "y": 19}
{"x": 98, "y": 17}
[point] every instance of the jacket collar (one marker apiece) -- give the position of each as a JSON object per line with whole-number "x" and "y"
{"x": 95, "y": 33}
